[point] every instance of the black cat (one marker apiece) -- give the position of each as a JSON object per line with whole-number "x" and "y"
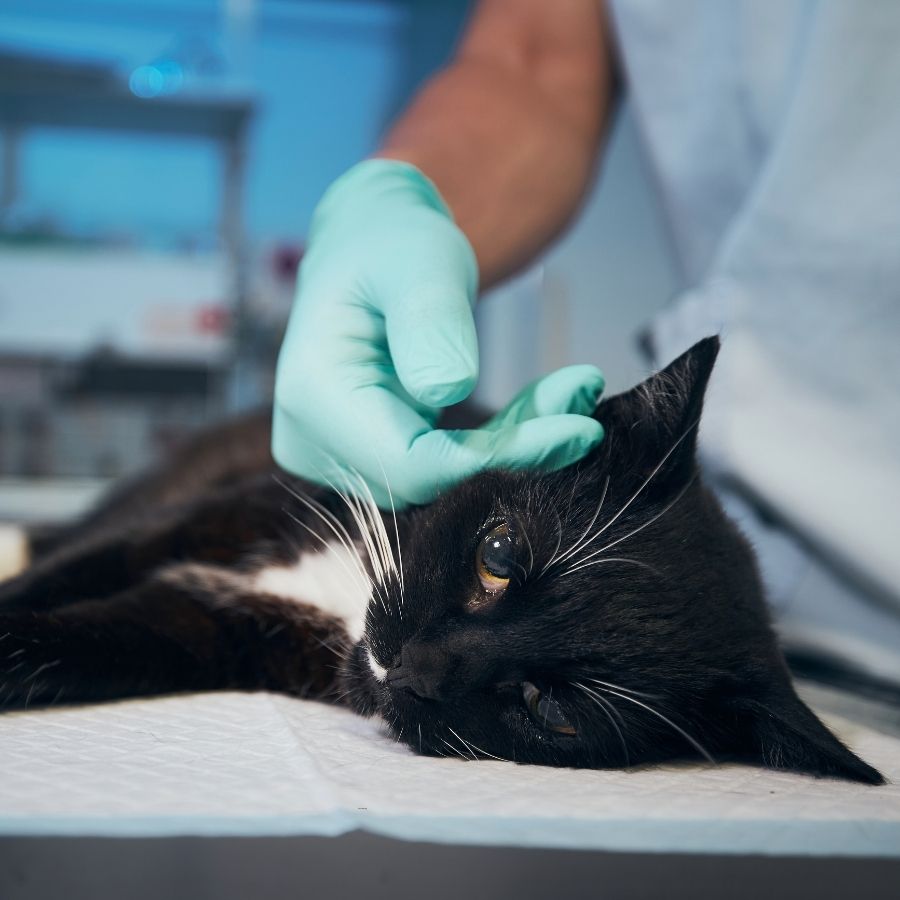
{"x": 602, "y": 616}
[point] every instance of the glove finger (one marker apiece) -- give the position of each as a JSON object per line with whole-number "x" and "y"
{"x": 573, "y": 389}
{"x": 546, "y": 443}
{"x": 433, "y": 344}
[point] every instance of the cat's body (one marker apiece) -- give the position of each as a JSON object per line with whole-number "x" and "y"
{"x": 605, "y": 615}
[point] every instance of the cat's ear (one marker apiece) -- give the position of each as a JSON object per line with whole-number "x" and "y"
{"x": 660, "y": 416}
{"x": 781, "y": 732}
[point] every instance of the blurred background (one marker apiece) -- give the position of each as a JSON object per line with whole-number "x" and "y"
{"x": 159, "y": 163}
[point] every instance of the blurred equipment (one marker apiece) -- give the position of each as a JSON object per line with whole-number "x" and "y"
{"x": 142, "y": 351}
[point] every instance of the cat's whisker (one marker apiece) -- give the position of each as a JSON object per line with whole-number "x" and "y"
{"x": 584, "y": 540}
{"x": 625, "y": 690}
{"x": 338, "y": 646}
{"x": 358, "y": 575}
{"x": 399, "y": 566}
{"x": 607, "y": 707}
{"x": 473, "y": 747}
{"x": 353, "y": 505}
{"x": 640, "y": 490}
{"x": 455, "y": 750}
{"x": 377, "y": 523}
{"x": 363, "y": 523}
{"x": 572, "y": 493}
{"x": 358, "y": 519}
{"x": 642, "y": 526}
{"x": 398, "y": 736}
{"x": 340, "y": 696}
{"x": 557, "y": 556}
{"x": 611, "y": 559}
{"x": 691, "y": 740}
{"x": 322, "y": 511}
{"x": 381, "y": 540}
{"x": 559, "y": 531}
{"x": 523, "y": 571}
{"x": 466, "y": 753}
{"x": 336, "y": 527}
{"x": 521, "y": 525}
{"x": 463, "y": 742}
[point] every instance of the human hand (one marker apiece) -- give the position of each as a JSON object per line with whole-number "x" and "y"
{"x": 381, "y": 337}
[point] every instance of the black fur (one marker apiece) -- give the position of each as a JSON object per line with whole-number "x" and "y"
{"x": 656, "y": 647}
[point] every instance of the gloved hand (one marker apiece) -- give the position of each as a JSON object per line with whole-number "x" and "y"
{"x": 381, "y": 336}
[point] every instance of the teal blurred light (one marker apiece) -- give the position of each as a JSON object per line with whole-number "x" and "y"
{"x": 156, "y": 79}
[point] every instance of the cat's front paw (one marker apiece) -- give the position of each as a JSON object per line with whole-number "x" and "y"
{"x": 30, "y": 662}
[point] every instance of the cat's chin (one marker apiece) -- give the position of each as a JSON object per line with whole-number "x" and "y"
{"x": 358, "y": 684}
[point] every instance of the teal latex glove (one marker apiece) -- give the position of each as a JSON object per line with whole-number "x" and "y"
{"x": 381, "y": 336}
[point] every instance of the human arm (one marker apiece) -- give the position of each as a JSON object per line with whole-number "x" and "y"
{"x": 510, "y": 131}
{"x": 381, "y": 335}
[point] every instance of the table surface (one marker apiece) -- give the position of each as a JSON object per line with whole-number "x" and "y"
{"x": 264, "y": 765}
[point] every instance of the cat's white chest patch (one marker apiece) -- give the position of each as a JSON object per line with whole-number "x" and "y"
{"x": 327, "y": 579}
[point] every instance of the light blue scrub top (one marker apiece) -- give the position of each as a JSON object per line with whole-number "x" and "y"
{"x": 772, "y": 128}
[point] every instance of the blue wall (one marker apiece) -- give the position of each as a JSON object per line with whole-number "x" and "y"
{"x": 326, "y": 75}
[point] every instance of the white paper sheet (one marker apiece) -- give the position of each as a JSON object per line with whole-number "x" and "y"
{"x": 238, "y": 764}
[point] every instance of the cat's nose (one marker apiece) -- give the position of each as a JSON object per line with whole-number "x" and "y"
{"x": 420, "y": 669}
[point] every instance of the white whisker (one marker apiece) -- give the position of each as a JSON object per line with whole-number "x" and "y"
{"x": 528, "y": 544}
{"x": 337, "y": 528}
{"x": 558, "y": 542}
{"x": 581, "y": 541}
{"x": 472, "y": 747}
{"x": 455, "y": 750}
{"x": 399, "y": 566}
{"x": 692, "y": 741}
{"x": 464, "y": 743}
{"x": 355, "y": 504}
{"x": 640, "y": 490}
{"x": 383, "y": 543}
{"x": 355, "y": 507}
{"x": 322, "y": 510}
{"x": 359, "y": 576}
{"x": 605, "y": 706}
{"x": 625, "y": 690}
{"x": 611, "y": 559}
{"x": 377, "y": 523}
{"x": 642, "y": 526}
{"x": 334, "y": 524}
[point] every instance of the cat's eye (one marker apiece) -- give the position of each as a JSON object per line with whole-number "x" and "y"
{"x": 495, "y": 558}
{"x": 545, "y": 710}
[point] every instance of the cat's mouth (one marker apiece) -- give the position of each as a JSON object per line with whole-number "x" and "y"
{"x": 367, "y": 689}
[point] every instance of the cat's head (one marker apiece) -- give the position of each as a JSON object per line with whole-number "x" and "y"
{"x": 606, "y": 615}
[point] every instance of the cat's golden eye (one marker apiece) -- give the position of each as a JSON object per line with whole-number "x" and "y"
{"x": 545, "y": 710}
{"x": 495, "y": 558}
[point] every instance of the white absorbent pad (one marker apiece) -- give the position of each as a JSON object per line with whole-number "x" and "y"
{"x": 260, "y": 764}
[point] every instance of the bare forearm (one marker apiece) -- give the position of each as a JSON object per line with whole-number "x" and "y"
{"x": 509, "y": 132}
